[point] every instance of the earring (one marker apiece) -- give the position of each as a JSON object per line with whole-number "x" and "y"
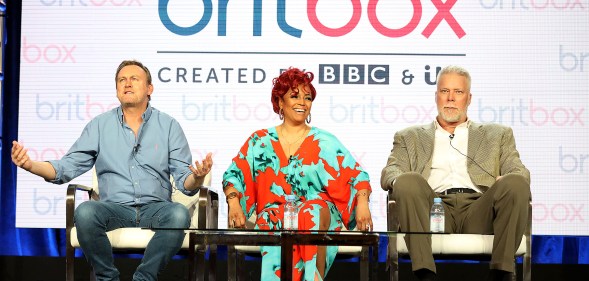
{"x": 281, "y": 114}
{"x": 309, "y": 118}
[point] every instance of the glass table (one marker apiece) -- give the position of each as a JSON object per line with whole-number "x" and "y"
{"x": 286, "y": 239}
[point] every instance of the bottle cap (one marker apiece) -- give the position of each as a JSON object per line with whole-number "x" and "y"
{"x": 437, "y": 200}
{"x": 290, "y": 197}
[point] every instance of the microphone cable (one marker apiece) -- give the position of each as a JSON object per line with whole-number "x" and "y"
{"x": 470, "y": 158}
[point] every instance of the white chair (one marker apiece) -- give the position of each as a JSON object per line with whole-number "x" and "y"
{"x": 236, "y": 256}
{"x": 453, "y": 246}
{"x": 203, "y": 209}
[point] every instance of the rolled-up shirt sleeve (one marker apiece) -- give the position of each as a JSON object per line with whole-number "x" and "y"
{"x": 80, "y": 158}
{"x": 180, "y": 157}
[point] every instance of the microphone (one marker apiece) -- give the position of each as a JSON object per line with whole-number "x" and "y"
{"x": 136, "y": 147}
{"x": 451, "y": 138}
{"x": 290, "y": 159}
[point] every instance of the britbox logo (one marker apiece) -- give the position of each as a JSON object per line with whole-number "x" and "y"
{"x": 525, "y": 112}
{"x": 539, "y": 5}
{"x": 560, "y": 212}
{"x": 572, "y": 61}
{"x": 571, "y": 161}
{"x": 47, "y": 53}
{"x": 441, "y": 14}
{"x": 72, "y": 107}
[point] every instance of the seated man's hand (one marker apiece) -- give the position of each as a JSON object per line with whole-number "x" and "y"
{"x": 20, "y": 157}
{"x": 201, "y": 170}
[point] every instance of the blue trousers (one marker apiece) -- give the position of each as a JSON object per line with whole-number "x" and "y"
{"x": 94, "y": 218}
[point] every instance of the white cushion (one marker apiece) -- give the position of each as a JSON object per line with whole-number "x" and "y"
{"x": 350, "y": 250}
{"x": 136, "y": 237}
{"x": 247, "y": 248}
{"x": 459, "y": 244}
{"x": 127, "y": 238}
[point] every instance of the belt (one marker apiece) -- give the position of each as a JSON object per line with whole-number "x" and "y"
{"x": 455, "y": 190}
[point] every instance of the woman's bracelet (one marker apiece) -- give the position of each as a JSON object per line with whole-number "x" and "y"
{"x": 231, "y": 195}
{"x": 363, "y": 194}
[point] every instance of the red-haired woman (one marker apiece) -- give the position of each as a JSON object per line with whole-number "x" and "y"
{"x": 331, "y": 188}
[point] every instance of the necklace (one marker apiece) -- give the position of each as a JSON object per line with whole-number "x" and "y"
{"x": 290, "y": 143}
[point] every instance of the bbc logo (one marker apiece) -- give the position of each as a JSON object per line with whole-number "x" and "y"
{"x": 373, "y": 74}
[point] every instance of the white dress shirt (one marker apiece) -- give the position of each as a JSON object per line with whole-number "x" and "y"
{"x": 449, "y": 161}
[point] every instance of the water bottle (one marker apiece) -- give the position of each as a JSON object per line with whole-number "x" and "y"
{"x": 437, "y": 218}
{"x": 291, "y": 213}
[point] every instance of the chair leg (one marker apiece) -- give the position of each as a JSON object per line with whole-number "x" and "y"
{"x": 527, "y": 270}
{"x": 200, "y": 263}
{"x": 92, "y": 275}
{"x": 191, "y": 265}
{"x": 364, "y": 268}
{"x": 231, "y": 263}
{"x": 212, "y": 265}
{"x": 191, "y": 257}
{"x": 514, "y": 275}
{"x": 374, "y": 263}
{"x": 69, "y": 262}
{"x": 393, "y": 258}
{"x": 527, "y": 263}
{"x": 240, "y": 265}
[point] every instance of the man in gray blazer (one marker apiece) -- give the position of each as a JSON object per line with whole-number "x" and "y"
{"x": 474, "y": 168}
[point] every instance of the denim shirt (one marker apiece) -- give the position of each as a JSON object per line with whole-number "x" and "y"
{"x": 131, "y": 171}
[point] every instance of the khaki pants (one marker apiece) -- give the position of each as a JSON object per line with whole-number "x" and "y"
{"x": 502, "y": 210}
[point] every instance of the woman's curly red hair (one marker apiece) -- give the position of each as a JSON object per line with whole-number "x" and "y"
{"x": 290, "y": 79}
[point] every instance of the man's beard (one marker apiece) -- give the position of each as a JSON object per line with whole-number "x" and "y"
{"x": 451, "y": 117}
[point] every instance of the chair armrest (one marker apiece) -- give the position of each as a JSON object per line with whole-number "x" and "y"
{"x": 70, "y": 205}
{"x": 527, "y": 262}
{"x": 392, "y": 263}
{"x": 208, "y": 208}
{"x": 70, "y": 202}
{"x": 529, "y": 226}
{"x": 392, "y": 212}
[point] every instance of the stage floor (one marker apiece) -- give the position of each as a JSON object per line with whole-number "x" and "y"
{"x": 53, "y": 268}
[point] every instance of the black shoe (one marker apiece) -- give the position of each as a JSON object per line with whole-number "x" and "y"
{"x": 499, "y": 275}
{"x": 425, "y": 274}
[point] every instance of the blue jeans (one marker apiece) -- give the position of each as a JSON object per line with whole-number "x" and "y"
{"x": 94, "y": 218}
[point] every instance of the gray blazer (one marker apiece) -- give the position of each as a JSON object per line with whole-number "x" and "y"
{"x": 492, "y": 146}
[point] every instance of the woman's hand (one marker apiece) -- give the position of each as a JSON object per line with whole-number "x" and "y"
{"x": 363, "y": 217}
{"x": 236, "y": 216}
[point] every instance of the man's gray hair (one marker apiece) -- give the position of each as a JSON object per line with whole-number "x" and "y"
{"x": 458, "y": 70}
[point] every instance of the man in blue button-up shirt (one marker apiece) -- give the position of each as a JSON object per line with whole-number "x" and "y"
{"x": 134, "y": 148}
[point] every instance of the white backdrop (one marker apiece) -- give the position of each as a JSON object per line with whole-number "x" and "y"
{"x": 375, "y": 64}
